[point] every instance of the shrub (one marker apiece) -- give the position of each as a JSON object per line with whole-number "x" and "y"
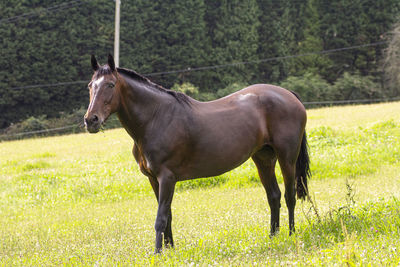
{"x": 28, "y": 125}
{"x": 310, "y": 87}
{"x": 230, "y": 89}
{"x": 350, "y": 87}
{"x": 186, "y": 88}
{"x": 192, "y": 91}
{"x": 207, "y": 96}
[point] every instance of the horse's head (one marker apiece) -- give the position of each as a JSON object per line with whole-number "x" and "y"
{"x": 104, "y": 94}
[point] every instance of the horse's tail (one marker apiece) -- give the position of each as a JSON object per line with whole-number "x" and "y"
{"x": 302, "y": 166}
{"x": 303, "y": 169}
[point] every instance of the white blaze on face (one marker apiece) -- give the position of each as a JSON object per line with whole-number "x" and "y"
{"x": 96, "y": 85}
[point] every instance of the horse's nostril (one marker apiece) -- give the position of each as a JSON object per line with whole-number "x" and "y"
{"x": 91, "y": 120}
{"x": 95, "y": 119}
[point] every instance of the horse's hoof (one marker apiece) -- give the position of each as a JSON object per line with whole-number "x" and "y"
{"x": 274, "y": 232}
{"x": 169, "y": 245}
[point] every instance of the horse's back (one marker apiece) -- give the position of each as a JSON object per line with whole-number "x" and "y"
{"x": 267, "y": 101}
{"x": 265, "y": 93}
{"x": 271, "y": 96}
{"x": 226, "y": 132}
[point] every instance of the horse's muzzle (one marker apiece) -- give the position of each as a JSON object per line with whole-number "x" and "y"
{"x": 92, "y": 124}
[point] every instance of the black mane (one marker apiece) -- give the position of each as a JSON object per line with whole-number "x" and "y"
{"x": 138, "y": 77}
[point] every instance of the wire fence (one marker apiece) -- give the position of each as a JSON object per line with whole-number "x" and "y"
{"x": 44, "y": 132}
{"x": 355, "y": 101}
{"x": 80, "y": 126}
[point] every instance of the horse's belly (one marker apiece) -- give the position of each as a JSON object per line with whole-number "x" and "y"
{"x": 210, "y": 170}
{"x": 217, "y": 159}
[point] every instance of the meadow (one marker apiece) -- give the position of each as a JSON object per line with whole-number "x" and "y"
{"x": 81, "y": 200}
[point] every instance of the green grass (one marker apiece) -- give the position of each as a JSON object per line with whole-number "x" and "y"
{"x": 81, "y": 200}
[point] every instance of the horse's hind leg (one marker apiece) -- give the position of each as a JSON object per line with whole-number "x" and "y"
{"x": 265, "y": 161}
{"x": 288, "y": 168}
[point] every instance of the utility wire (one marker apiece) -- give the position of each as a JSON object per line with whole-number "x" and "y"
{"x": 41, "y": 131}
{"x": 78, "y": 2}
{"x": 313, "y": 103}
{"x": 354, "y": 101}
{"x": 79, "y": 125}
{"x": 233, "y": 64}
{"x": 189, "y": 69}
{"x": 48, "y": 85}
{"x": 54, "y": 8}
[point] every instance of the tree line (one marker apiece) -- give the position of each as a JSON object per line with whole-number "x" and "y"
{"x": 245, "y": 42}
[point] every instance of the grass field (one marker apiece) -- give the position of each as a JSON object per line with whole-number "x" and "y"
{"x": 81, "y": 200}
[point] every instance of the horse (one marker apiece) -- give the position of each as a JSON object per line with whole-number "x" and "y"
{"x": 177, "y": 138}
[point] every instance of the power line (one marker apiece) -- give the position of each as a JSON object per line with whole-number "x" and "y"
{"x": 233, "y": 64}
{"x": 54, "y": 8}
{"x": 329, "y": 51}
{"x": 48, "y": 85}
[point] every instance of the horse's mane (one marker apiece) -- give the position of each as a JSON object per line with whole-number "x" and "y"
{"x": 182, "y": 98}
{"x": 105, "y": 70}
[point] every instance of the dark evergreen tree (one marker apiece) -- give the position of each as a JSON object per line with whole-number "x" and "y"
{"x": 281, "y": 31}
{"x": 270, "y": 40}
{"x": 350, "y": 23}
{"x": 165, "y": 35}
{"x": 310, "y": 45}
{"x": 233, "y": 29}
{"x": 50, "y": 46}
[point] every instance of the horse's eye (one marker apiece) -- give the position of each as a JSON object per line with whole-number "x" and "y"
{"x": 111, "y": 85}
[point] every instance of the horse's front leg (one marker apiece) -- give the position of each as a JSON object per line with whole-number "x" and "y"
{"x": 168, "y": 240}
{"x": 166, "y": 183}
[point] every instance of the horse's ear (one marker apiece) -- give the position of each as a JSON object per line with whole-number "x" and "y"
{"x": 111, "y": 62}
{"x": 95, "y": 64}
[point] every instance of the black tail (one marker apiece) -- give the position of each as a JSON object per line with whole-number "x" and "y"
{"x": 302, "y": 166}
{"x": 303, "y": 169}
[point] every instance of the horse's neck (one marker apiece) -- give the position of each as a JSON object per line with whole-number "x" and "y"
{"x": 138, "y": 107}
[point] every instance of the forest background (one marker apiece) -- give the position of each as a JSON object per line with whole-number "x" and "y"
{"x": 324, "y": 50}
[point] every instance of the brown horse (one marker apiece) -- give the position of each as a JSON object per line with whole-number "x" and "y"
{"x": 178, "y": 138}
